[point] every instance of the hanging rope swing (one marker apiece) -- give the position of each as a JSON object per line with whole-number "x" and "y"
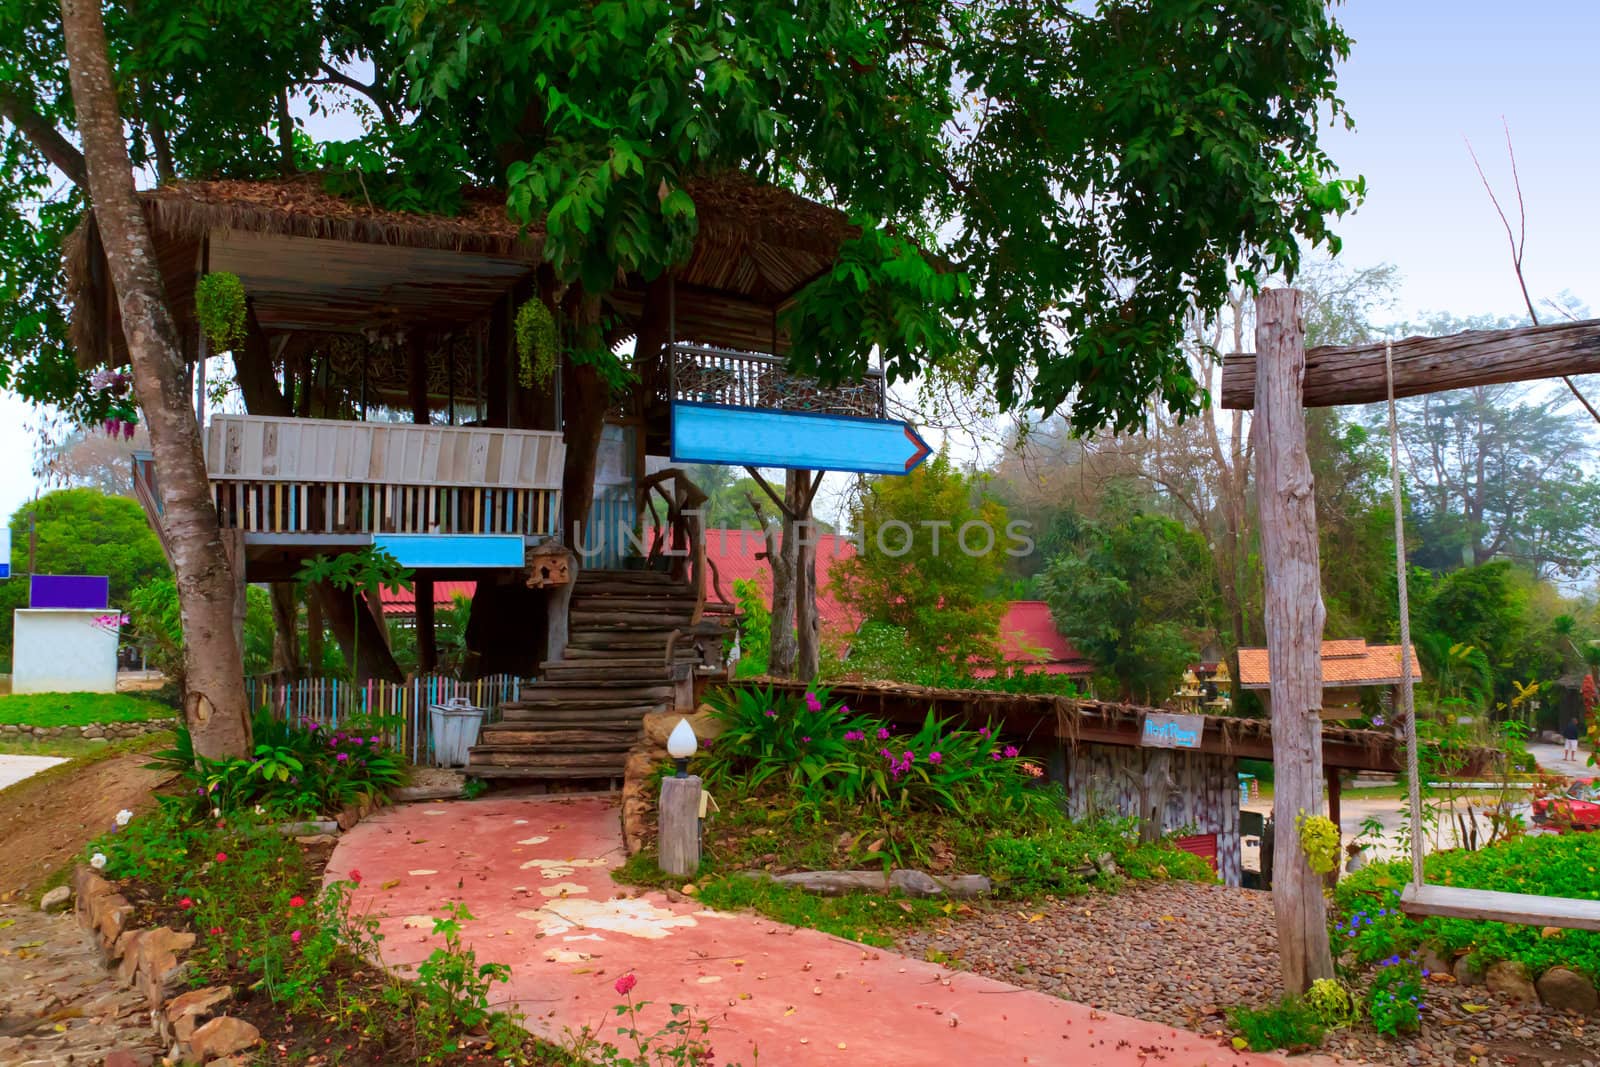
{"x": 1419, "y": 898}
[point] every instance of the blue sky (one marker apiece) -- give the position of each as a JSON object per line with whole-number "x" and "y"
{"x": 1424, "y": 75}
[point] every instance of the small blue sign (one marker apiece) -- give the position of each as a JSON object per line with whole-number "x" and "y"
{"x": 1164, "y": 730}
{"x": 73, "y": 591}
{"x": 798, "y": 440}
{"x": 5, "y": 551}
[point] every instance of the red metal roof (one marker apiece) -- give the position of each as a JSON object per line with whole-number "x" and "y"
{"x": 734, "y": 554}
{"x": 404, "y": 602}
{"x": 1029, "y": 638}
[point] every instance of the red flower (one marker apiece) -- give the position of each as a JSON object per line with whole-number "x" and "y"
{"x": 186, "y": 903}
{"x": 355, "y": 876}
{"x": 297, "y": 901}
{"x": 222, "y": 857}
{"x": 216, "y": 931}
{"x": 625, "y": 984}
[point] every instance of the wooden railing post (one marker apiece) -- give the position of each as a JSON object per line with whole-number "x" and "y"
{"x": 1294, "y": 618}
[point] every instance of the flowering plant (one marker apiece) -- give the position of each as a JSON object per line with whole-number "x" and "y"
{"x": 1395, "y": 997}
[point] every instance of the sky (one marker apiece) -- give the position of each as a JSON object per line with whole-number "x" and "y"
{"x": 1424, "y": 76}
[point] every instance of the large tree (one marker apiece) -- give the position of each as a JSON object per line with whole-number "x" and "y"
{"x": 1038, "y": 191}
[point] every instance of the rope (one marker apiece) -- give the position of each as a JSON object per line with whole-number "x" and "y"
{"x": 1407, "y": 703}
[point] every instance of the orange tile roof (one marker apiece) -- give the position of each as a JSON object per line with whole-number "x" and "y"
{"x": 1344, "y": 663}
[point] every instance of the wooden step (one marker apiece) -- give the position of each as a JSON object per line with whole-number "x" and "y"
{"x": 674, "y": 605}
{"x": 607, "y": 619}
{"x": 581, "y": 712}
{"x": 539, "y": 735}
{"x": 628, "y": 657}
{"x": 604, "y": 775}
{"x": 495, "y": 757}
{"x": 597, "y": 574}
{"x": 620, "y": 744}
{"x": 622, "y": 637}
{"x": 560, "y": 692}
{"x": 608, "y": 671}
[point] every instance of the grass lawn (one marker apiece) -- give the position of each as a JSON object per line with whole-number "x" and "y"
{"x": 78, "y": 709}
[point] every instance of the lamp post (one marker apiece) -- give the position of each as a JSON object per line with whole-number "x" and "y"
{"x": 679, "y": 852}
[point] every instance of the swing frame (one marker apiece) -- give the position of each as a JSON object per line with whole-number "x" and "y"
{"x": 1419, "y": 899}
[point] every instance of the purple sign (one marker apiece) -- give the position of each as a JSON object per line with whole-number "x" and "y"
{"x": 69, "y": 591}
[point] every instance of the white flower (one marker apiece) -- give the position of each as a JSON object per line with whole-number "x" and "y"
{"x": 98, "y": 861}
{"x": 216, "y": 813}
{"x": 124, "y": 817}
{"x": 260, "y": 810}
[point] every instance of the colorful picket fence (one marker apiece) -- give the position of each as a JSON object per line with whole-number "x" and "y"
{"x": 328, "y": 701}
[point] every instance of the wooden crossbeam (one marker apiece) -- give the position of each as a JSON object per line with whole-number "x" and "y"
{"x": 1487, "y": 905}
{"x": 1353, "y": 374}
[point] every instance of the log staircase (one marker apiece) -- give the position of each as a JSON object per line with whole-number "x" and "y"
{"x": 579, "y": 719}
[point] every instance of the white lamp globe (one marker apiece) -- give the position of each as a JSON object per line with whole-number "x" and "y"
{"x": 681, "y": 743}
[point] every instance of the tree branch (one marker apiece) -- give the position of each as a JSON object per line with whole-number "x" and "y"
{"x": 332, "y": 76}
{"x": 55, "y": 148}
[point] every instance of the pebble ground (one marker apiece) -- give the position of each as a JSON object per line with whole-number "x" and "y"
{"x": 1183, "y": 953}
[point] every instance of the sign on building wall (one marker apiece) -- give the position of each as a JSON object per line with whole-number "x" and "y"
{"x": 1165, "y": 730}
{"x": 69, "y": 591}
{"x": 5, "y": 551}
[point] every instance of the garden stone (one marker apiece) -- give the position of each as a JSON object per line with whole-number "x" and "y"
{"x": 317, "y": 839}
{"x": 222, "y": 1036}
{"x": 835, "y": 883}
{"x": 185, "y": 1013}
{"x": 1468, "y": 971}
{"x": 1433, "y": 961}
{"x": 411, "y": 794}
{"x": 94, "y": 731}
{"x": 1511, "y": 980}
{"x": 309, "y": 826}
{"x": 915, "y": 883}
{"x": 965, "y": 886}
{"x": 1564, "y": 989}
{"x": 57, "y": 899}
{"x": 348, "y": 817}
{"x": 1106, "y": 863}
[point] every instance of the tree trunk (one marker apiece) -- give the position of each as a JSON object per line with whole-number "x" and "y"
{"x": 365, "y": 643}
{"x": 808, "y": 650}
{"x": 215, "y": 708}
{"x": 286, "y": 628}
{"x": 314, "y": 628}
{"x": 427, "y": 640}
{"x": 1294, "y": 617}
{"x": 784, "y": 558}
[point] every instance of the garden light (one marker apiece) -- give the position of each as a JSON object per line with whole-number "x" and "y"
{"x": 681, "y": 744}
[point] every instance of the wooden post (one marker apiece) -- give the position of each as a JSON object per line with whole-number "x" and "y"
{"x": 1294, "y": 618}
{"x": 679, "y": 854}
{"x": 427, "y": 643}
{"x": 1334, "y": 787}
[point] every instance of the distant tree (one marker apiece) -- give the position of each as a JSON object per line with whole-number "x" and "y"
{"x": 80, "y": 531}
{"x": 92, "y": 459}
{"x": 932, "y": 551}
{"x": 1133, "y": 597}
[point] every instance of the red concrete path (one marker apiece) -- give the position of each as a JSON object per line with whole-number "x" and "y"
{"x": 535, "y": 873}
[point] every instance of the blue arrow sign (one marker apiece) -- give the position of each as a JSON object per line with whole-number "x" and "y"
{"x": 802, "y": 440}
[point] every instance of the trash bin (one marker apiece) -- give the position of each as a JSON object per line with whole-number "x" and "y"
{"x": 455, "y": 730}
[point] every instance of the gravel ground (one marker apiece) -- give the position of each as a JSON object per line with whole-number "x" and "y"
{"x": 1182, "y": 953}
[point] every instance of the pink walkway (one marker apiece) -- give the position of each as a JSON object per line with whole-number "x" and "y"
{"x": 535, "y": 873}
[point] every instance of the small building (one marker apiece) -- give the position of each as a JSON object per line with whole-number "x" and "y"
{"x": 1030, "y": 642}
{"x": 65, "y": 640}
{"x": 1350, "y": 668}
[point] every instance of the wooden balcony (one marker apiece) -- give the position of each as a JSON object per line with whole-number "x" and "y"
{"x": 753, "y": 380}
{"x": 323, "y": 476}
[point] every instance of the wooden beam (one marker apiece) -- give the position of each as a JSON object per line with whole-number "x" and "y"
{"x": 1488, "y": 905}
{"x": 1294, "y": 618}
{"x": 1353, "y": 374}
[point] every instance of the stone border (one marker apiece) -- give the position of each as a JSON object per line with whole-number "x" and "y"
{"x": 94, "y": 731}
{"x": 150, "y": 959}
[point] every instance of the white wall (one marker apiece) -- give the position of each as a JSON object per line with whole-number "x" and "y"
{"x": 64, "y": 650}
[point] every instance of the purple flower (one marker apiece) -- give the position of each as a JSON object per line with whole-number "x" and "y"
{"x": 806, "y": 740}
{"x": 934, "y": 757}
{"x": 812, "y": 703}
{"x": 343, "y": 756}
{"x": 883, "y": 733}
{"x": 1012, "y": 752}
{"x": 910, "y": 758}
{"x": 313, "y": 726}
{"x": 983, "y": 731}
{"x": 854, "y": 735}
{"x": 994, "y": 755}
{"x": 355, "y": 740}
{"x": 771, "y": 714}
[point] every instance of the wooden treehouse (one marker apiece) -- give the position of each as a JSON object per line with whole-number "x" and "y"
{"x": 379, "y": 398}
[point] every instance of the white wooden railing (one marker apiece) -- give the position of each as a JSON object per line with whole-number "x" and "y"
{"x": 708, "y": 375}
{"x": 286, "y": 475}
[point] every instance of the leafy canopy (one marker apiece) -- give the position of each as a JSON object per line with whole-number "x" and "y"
{"x": 1040, "y": 189}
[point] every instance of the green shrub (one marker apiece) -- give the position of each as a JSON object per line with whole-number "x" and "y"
{"x": 825, "y": 753}
{"x": 1061, "y": 857}
{"x": 884, "y": 652}
{"x": 1289, "y": 1024}
{"x": 1394, "y": 999}
{"x": 1565, "y": 865}
{"x": 297, "y": 771}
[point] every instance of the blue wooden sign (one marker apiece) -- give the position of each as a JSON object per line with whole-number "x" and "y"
{"x": 801, "y": 440}
{"x": 5, "y": 551}
{"x": 1163, "y": 730}
{"x": 453, "y": 550}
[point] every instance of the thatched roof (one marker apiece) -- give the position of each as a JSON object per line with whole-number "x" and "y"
{"x": 757, "y": 246}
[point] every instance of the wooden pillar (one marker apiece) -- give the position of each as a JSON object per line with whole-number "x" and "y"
{"x": 1294, "y": 618}
{"x": 1334, "y": 786}
{"x": 679, "y": 816}
{"x": 417, "y": 378}
{"x": 427, "y": 642}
